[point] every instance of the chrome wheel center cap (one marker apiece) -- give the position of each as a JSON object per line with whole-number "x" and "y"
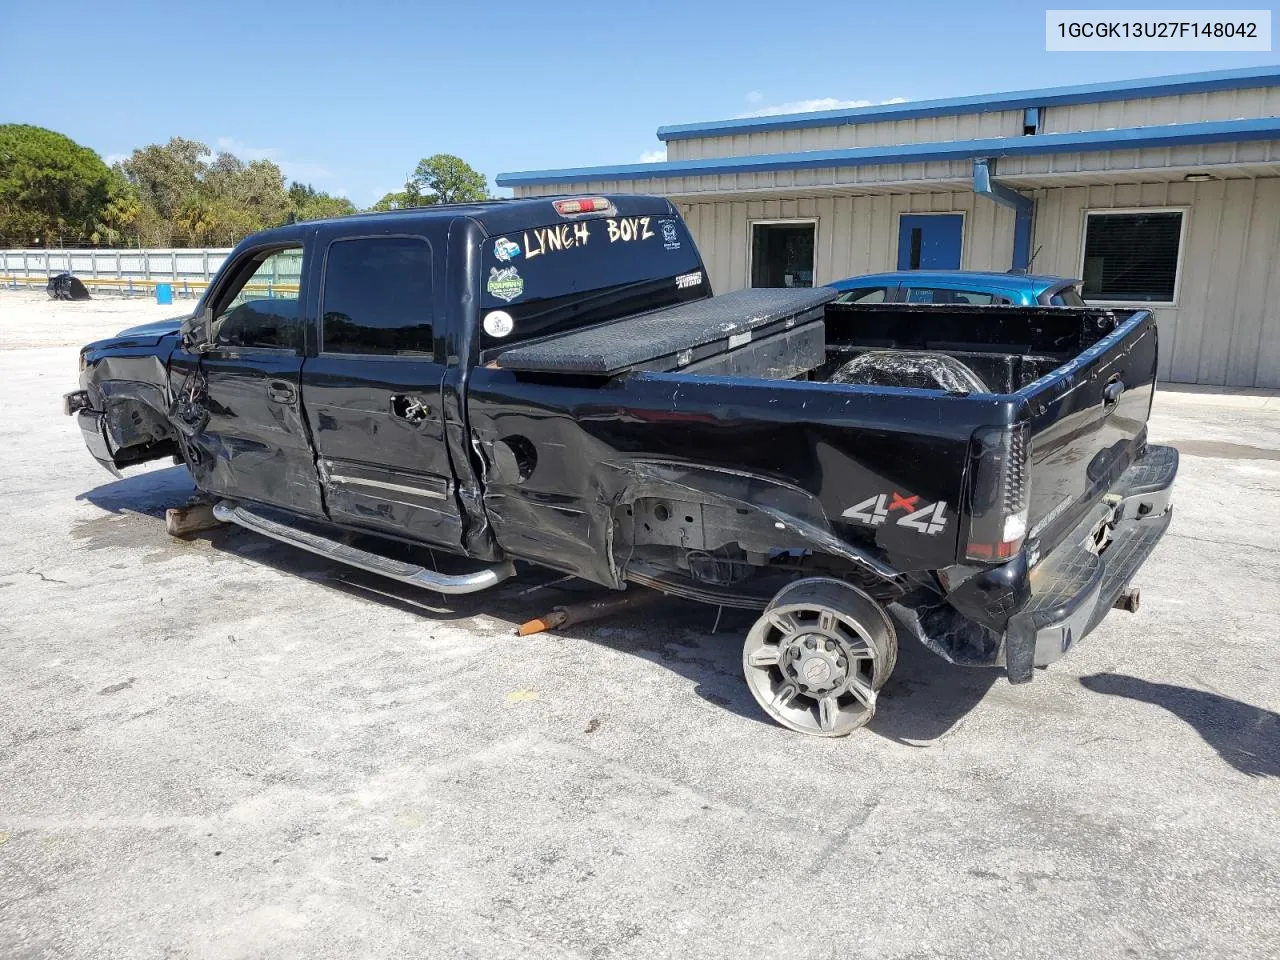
{"x": 816, "y": 671}
{"x": 814, "y": 662}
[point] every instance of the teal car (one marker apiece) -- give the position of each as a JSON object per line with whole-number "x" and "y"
{"x": 960, "y": 287}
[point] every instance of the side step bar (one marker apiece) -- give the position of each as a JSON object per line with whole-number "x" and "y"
{"x": 230, "y": 512}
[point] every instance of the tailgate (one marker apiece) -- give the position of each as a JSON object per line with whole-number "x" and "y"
{"x": 1088, "y": 423}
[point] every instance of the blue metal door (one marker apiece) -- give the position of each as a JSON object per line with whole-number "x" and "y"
{"x": 930, "y": 241}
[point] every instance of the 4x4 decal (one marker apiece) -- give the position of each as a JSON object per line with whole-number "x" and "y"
{"x": 930, "y": 518}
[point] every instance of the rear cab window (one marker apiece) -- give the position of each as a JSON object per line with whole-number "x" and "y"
{"x": 580, "y": 271}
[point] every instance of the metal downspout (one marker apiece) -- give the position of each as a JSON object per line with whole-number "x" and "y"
{"x": 1024, "y": 209}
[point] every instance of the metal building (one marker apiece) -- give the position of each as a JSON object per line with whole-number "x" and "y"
{"x": 1163, "y": 193}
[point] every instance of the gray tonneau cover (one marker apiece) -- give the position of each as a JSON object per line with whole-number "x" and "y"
{"x": 671, "y": 338}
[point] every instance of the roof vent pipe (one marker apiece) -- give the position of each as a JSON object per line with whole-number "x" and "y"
{"x": 1024, "y": 209}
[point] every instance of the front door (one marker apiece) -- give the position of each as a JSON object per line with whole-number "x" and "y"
{"x": 239, "y": 401}
{"x": 930, "y": 241}
{"x": 372, "y": 391}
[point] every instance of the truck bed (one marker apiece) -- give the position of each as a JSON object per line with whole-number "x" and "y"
{"x": 820, "y": 443}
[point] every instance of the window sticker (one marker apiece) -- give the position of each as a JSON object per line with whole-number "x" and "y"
{"x": 505, "y": 250}
{"x": 686, "y": 280}
{"x": 505, "y": 284}
{"x": 498, "y": 323}
{"x": 670, "y": 235}
{"x": 560, "y": 236}
{"x": 628, "y": 228}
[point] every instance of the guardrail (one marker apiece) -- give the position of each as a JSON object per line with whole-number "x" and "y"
{"x": 131, "y": 287}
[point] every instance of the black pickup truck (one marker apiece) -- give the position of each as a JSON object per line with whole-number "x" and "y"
{"x": 551, "y": 381}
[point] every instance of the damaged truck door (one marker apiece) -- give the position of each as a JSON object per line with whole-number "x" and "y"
{"x": 237, "y": 394}
{"x": 372, "y": 388}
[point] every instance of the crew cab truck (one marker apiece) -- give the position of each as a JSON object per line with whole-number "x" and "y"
{"x": 551, "y": 381}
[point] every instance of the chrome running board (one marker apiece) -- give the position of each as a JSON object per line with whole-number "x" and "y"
{"x": 230, "y": 512}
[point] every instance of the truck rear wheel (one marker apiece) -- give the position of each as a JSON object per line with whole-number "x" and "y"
{"x": 818, "y": 655}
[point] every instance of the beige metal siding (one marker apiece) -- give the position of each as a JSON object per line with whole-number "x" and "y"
{"x": 1139, "y": 112}
{"x": 964, "y": 126}
{"x": 1240, "y": 159}
{"x": 855, "y": 234}
{"x": 1225, "y": 326}
{"x": 1152, "y": 111}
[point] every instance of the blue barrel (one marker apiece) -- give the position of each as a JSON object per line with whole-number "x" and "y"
{"x": 164, "y": 293}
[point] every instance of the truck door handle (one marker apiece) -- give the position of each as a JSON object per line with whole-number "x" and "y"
{"x": 1111, "y": 392}
{"x": 281, "y": 392}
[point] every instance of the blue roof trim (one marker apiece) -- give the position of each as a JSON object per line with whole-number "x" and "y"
{"x": 1238, "y": 79}
{"x": 1088, "y": 141}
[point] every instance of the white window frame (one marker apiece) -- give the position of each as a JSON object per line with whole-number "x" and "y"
{"x": 780, "y": 222}
{"x": 1177, "y": 270}
{"x": 964, "y": 233}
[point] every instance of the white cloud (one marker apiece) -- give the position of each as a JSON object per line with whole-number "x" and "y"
{"x": 755, "y": 96}
{"x": 654, "y": 156}
{"x": 810, "y": 106}
{"x": 316, "y": 174}
{"x": 111, "y": 159}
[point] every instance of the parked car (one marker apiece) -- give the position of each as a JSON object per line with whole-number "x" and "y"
{"x": 960, "y": 287}
{"x": 551, "y": 381}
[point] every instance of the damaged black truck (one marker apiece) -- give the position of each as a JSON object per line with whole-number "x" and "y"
{"x": 552, "y": 382}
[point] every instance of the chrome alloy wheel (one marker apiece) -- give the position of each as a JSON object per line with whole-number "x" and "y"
{"x": 818, "y": 655}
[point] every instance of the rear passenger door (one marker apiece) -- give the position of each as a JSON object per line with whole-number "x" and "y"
{"x": 372, "y": 387}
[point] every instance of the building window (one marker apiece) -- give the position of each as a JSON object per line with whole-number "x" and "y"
{"x": 782, "y": 253}
{"x": 1132, "y": 255}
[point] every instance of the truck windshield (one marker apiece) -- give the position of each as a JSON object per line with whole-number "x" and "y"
{"x": 574, "y": 273}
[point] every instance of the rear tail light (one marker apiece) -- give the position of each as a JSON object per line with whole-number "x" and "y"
{"x": 569, "y": 208}
{"x": 1000, "y": 492}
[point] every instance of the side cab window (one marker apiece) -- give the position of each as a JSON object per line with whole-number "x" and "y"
{"x": 260, "y": 306}
{"x": 377, "y": 297}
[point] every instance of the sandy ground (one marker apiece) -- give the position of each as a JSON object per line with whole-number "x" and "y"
{"x": 226, "y": 748}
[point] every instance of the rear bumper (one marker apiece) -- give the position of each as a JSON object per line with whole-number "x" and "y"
{"x": 1075, "y": 586}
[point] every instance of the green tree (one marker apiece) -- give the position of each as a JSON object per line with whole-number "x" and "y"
{"x": 50, "y": 186}
{"x": 403, "y": 199}
{"x": 307, "y": 203}
{"x": 122, "y": 217}
{"x": 448, "y": 179}
{"x": 166, "y": 177}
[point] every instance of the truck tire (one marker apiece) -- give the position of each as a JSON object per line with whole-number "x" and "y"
{"x": 818, "y": 655}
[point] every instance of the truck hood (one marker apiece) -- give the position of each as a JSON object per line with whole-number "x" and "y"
{"x": 156, "y": 328}
{"x": 143, "y": 335}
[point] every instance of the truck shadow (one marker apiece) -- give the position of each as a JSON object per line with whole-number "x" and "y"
{"x": 926, "y": 697}
{"x": 923, "y": 700}
{"x": 1245, "y": 736}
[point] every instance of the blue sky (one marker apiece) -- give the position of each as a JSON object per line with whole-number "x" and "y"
{"x": 349, "y": 95}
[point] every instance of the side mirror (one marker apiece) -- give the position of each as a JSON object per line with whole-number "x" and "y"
{"x": 197, "y": 331}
